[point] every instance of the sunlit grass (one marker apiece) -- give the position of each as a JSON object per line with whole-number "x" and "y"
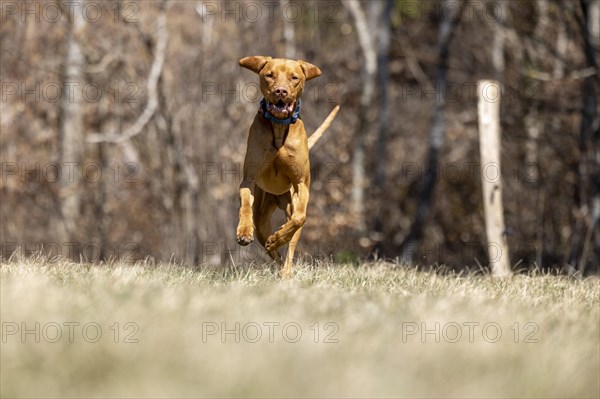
{"x": 332, "y": 330}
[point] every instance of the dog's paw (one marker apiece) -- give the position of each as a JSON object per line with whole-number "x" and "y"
{"x": 272, "y": 243}
{"x": 244, "y": 240}
{"x": 286, "y": 273}
{"x": 244, "y": 236}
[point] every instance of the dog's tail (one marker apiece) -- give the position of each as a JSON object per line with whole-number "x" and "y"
{"x": 319, "y": 132}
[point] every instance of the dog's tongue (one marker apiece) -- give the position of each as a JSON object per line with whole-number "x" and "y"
{"x": 282, "y": 107}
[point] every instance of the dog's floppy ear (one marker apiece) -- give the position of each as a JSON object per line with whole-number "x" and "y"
{"x": 254, "y": 63}
{"x": 310, "y": 71}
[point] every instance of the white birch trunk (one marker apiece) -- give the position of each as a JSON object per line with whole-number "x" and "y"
{"x": 488, "y": 108}
{"x": 367, "y": 44}
{"x": 71, "y": 127}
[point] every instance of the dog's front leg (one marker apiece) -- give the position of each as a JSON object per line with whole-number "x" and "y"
{"x": 245, "y": 229}
{"x": 259, "y": 154}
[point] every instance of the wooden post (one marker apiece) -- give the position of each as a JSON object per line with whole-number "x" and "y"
{"x": 488, "y": 107}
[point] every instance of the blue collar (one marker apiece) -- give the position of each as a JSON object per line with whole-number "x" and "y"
{"x": 295, "y": 116}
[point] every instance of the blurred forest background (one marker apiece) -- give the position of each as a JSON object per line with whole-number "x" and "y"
{"x": 124, "y": 125}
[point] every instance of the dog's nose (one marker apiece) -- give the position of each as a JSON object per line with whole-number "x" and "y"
{"x": 281, "y": 91}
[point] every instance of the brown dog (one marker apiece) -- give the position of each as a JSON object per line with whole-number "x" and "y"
{"x": 276, "y": 166}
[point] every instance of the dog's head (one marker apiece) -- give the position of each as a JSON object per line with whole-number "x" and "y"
{"x": 281, "y": 81}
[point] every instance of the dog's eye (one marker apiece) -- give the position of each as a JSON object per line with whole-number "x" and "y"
{"x": 294, "y": 77}
{"x": 269, "y": 75}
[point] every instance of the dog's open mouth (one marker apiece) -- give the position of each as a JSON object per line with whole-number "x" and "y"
{"x": 280, "y": 108}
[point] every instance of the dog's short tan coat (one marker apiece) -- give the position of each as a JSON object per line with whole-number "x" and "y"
{"x": 276, "y": 167}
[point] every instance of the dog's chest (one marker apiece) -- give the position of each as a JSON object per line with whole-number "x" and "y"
{"x": 279, "y": 137}
{"x": 279, "y": 172}
{"x": 283, "y": 162}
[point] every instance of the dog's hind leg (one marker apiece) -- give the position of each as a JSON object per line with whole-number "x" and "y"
{"x": 263, "y": 207}
{"x": 286, "y": 203}
{"x": 286, "y": 271}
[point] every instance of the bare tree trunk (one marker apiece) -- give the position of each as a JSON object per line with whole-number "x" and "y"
{"x": 71, "y": 126}
{"x": 384, "y": 33}
{"x": 561, "y": 48}
{"x": 186, "y": 194}
{"x": 436, "y": 134}
{"x": 366, "y": 40}
{"x": 488, "y": 106}
{"x": 585, "y": 243}
{"x": 154, "y": 75}
{"x": 101, "y": 217}
{"x": 594, "y": 232}
{"x": 288, "y": 30}
{"x": 498, "y": 43}
{"x": 122, "y": 137}
{"x": 534, "y": 126}
{"x": 99, "y": 231}
{"x": 204, "y": 231}
{"x": 594, "y": 23}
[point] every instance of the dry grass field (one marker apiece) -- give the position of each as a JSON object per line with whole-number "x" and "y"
{"x": 77, "y": 330}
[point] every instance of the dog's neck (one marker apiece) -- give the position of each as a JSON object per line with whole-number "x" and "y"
{"x": 279, "y": 127}
{"x": 280, "y": 133}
